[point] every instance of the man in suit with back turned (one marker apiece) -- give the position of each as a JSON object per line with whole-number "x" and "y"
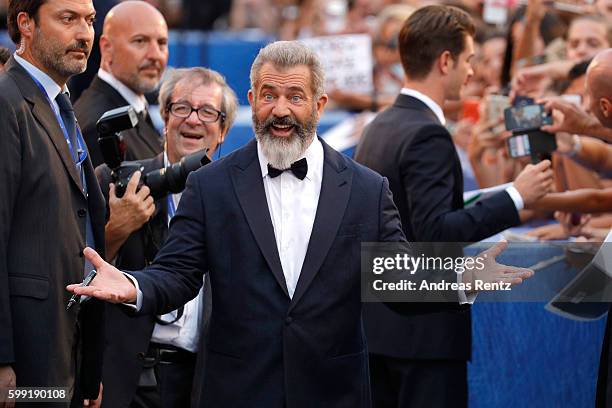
{"x": 134, "y": 50}
{"x": 50, "y": 206}
{"x": 408, "y": 144}
{"x": 278, "y": 225}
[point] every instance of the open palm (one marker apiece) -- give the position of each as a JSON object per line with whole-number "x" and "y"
{"x": 110, "y": 284}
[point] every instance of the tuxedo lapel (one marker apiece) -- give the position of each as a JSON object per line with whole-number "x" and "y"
{"x": 42, "y": 111}
{"x": 248, "y": 185}
{"x": 333, "y": 199}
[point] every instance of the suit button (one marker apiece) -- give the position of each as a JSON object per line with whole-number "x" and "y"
{"x": 288, "y": 320}
{"x": 82, "y": 212}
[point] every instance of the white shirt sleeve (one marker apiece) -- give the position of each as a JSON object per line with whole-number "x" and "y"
{"x": 516, "y": 197}
{"x": 463, "y": 298}
{"x": 138, "y": 304}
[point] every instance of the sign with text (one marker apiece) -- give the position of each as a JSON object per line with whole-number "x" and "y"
{"x": 347, "y": 61}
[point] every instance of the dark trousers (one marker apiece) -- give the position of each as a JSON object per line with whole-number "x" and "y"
{"x": 174, "y": 377}
{"x": 406, "y": 383}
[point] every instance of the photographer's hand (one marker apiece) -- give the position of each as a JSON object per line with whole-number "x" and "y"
{"x": 127, "y": 214}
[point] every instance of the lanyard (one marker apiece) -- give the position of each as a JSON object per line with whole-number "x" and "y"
{"x": 81, "y": 150}
{"x": 171, "y": 207}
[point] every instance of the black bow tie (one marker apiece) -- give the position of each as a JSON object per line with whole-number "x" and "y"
{"x": 299, "y": 169}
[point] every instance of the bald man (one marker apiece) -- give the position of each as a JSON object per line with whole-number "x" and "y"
{"x": 597, "y": 156}
{"x": 134, "y": 54}
{"x": 599, "y": 91}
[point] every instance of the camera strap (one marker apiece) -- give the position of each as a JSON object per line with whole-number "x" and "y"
{"x": 180, "y": 310}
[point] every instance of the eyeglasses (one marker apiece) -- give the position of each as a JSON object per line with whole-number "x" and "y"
{"x": 206, "y": 114}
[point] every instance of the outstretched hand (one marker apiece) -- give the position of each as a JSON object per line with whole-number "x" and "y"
{"x": 493, "y": 272}
{"x": 110, "y": 284}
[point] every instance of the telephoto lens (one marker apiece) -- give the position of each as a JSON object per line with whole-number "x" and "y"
{"x": 172, "y": 179}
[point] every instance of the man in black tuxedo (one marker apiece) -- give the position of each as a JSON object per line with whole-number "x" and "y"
{"x": 282, "y": 250}
{"x": 134, "y": 49}
{"x": 50, "y": 206}
{"x": 150, "y": 360}
{"x": 278, "y": 226}
{"x": 408, "y": 144}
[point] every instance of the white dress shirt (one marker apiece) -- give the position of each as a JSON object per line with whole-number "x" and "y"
{"x": 138, "y": 102}
{"x": 51, "y": 87}
{"x": 437, "y": 110}
{"x": 185, "y": 332}
{"x": 293, "y": 205}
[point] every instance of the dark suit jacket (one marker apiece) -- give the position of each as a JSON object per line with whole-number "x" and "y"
{"x": 143, "y": 142}
{"x": 264, "y": 348}
{"x": 407, "y": 144}
{"x": 129, "y": 336}
{"x": 42, "y": 234}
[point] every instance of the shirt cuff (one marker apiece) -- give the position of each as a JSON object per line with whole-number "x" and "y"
{"x": 516, "y": 197}
{"x": 136, "y": 307}
{"x": 463, "y": 298}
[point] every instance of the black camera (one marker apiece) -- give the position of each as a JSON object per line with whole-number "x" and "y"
{"x": 161, "y": 182}
{"x": 524, "y": 120}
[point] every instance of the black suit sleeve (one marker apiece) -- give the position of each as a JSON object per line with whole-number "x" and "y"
{"x": 390, "y": 225}
{"x": 10, "y": 172}
{"x": 175, "y": 277}
{"x": 391, "y": 231}
{"x": 426, "y": 167}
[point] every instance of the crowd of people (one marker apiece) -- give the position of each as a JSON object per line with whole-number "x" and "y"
{"x": 243, "y": 289}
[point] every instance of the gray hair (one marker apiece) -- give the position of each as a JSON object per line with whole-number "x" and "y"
{"x": 289, "y": 54}
{"x": 199, "y": 76}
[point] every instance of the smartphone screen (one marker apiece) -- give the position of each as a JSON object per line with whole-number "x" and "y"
{"x": 518, "y": 146}
{"x": 527, "y": 117}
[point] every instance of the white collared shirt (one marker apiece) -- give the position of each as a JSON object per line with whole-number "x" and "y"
{"x": 138, "y": 102}
{"x": 437, "y": 110}
{"x": 51, "y": 87}
{"x": 185, "y": 332}
{"x": 293, "y": 205}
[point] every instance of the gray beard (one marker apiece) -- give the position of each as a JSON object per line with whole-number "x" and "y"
{"x": 282, "y": 152}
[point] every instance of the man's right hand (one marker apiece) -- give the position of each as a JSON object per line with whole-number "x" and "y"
{"x": 130, "y": 212}
{"x": 110, "y": 284}
{"x": 127, "y": 214}
{"x": 534, "y": 182}
{"x": 7, "y": 380}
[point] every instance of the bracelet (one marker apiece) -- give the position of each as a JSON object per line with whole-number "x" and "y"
{"x": 577, "y": 145}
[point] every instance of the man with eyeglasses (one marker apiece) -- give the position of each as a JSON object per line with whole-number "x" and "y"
{"x": 154, "y": 364}
{"x": 134, "y": 54}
